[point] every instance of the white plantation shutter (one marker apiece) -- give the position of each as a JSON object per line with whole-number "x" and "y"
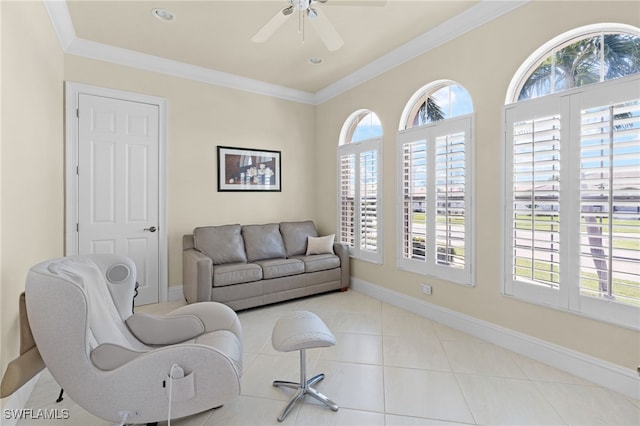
{"x": 572, "y": 210}
{"x": 535, "y": 177}
{"x": 434, "y": 190}
{"x": 347, "y": 193}
{"x": 610, "y": 202}
{"x": 359, "y": 192}
{"x": 369, "y": 201}
{"x": 535, "y": 200}
{"x": 414, "y": 180}
{"x": 450, "y": 199}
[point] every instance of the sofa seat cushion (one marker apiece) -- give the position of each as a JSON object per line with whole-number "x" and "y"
{"x": 319, "y": 262}
{"x": 276, "y": 268}
{"x": 236, "y": 273}
{"x": 223, "y": 244}
{"x": 263, "y": 242}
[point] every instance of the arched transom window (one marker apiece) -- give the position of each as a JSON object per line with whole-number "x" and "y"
{"x": 364, "y": 125}
{"x": 577, "y": 59}
{"x": 437, "y": 101}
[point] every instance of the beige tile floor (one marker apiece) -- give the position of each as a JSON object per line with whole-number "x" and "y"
{"x": 390, "y": 367}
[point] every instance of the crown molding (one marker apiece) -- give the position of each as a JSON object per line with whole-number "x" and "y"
{"x": 73, "y": 45}
{"x": 61, "y": 20}
{"x": 474, "y": 17}
{"x": 130, "y": 58}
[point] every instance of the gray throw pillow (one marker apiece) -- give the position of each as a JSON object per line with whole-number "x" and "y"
{"x": 295, "y": 235}
{"x": 263, "y": 242}
{"x": 223, "y": 244}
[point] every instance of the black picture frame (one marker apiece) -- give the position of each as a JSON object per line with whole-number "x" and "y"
{"x": 249, "y": 170}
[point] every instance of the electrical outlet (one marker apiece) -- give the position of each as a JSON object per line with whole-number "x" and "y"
{"x": 426, "y": 288}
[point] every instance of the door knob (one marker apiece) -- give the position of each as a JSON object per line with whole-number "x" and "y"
{"x": 152, "y": 229}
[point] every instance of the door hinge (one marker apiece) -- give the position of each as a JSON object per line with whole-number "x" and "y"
{"x": 77, "y": 227}
{"x": 77, "y": 112}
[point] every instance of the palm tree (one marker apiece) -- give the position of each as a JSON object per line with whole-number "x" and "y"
{"x": 580, "y": 64}
{"x": 428, "y": 112}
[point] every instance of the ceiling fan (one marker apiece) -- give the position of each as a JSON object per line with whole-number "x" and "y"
{"x": 306, "y": 9}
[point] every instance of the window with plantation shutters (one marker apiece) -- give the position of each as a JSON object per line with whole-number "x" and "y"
{"x": 572, "y": 197}
{"x": 435, "y": 199}
{"x": 359, "y": 192}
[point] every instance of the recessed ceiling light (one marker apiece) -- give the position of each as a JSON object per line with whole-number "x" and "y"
{"x": 315, "y": 61}
{"x": 164, "y": 15}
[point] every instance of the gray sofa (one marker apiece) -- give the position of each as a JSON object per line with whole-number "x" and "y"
{"x": 244, "y": 266}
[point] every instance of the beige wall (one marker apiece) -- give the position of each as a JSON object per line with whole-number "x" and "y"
{"x": 483, "y": 61}
{"x": 31, "y": 146}
{"x": 202, "y": 116}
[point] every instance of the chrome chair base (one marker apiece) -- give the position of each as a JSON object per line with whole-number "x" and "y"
{"x": 303, "y": 388}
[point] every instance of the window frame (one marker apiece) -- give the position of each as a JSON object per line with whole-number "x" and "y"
{"x": 567, "y": 296}
{"x": 357, "y": 148}
{"x": 429, "y": 132}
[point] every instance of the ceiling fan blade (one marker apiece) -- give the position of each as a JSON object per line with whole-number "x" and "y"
{"x": 326, "y": 31}
{"x": 272, "y": 25}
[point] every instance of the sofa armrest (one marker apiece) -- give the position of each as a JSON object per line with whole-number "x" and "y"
{"x": 342, "y": 251}
{"x": 197, "y": 276}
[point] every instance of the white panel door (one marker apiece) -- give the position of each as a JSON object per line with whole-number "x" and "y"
{"x": 118, "y": 184}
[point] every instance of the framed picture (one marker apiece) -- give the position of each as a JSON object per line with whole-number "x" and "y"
{"x": 241, "y": 169}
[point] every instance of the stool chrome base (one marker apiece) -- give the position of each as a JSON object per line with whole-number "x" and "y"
{"x": 303, "y": 388}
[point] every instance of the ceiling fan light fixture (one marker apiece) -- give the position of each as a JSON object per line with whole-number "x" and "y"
{"x": 312, "y": 13}
{"x": 287, "y": 11}
{"x": 164, "y": 14}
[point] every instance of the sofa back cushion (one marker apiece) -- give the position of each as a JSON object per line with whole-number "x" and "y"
{"x": 263, "y": 242}
{"x": 295, "y": 235}
{"x": 223, "y": 244}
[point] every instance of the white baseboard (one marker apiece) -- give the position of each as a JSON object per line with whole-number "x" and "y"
{"x": 175, "y": 293}
{"x": 17, "y": 401}
{"x": 603, "y": 373}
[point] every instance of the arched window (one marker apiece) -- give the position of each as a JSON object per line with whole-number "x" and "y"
{"x": 572, "y": 128}
{"x": 364, "y": 125}
{"x": 578, "y": 58}
{"x": 435, "y": 152}
{"x": 359, "y": 180}
{"x": 437, "y": 101}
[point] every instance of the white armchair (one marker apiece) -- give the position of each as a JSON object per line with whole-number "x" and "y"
{"x": 122, "y": 366}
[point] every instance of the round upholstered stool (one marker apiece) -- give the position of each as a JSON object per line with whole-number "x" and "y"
{"x": 298, "y": 331}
